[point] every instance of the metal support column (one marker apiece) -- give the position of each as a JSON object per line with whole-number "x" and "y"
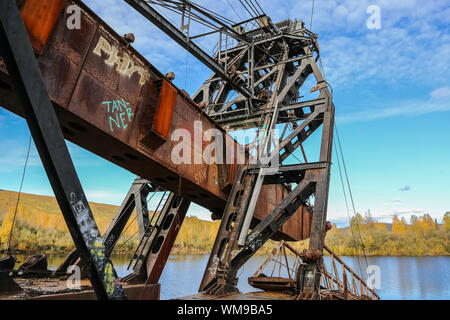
{"x": 229, "y": 255}
{"x": 154, "y": 247}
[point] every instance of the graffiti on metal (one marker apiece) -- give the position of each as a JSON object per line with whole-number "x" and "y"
{"x": 125, "y": 64}
{"x": 120, "y": 114}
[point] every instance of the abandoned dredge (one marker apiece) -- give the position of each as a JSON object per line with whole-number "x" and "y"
{"x": 89, "y": 86}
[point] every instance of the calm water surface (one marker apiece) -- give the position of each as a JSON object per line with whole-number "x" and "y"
{"x": 401, "y": 277}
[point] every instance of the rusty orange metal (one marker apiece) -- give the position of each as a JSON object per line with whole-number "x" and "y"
{"x": 40, "y": 17}
{"x": 164, "y": 110}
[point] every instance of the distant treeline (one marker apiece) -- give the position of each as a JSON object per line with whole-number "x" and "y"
{"x": 420, "y": 236}
{"x": 40, "y": 227}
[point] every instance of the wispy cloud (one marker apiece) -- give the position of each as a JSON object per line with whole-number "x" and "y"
{"x": 402, "y": 213}
{"x": 14, "y": 153}
{"x": 402, "y": 109}
{"x": 401, "y": 50}
{"x": 441, "y": 93}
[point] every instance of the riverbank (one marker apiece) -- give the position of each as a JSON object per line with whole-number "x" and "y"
{"x": 40, "y": 227}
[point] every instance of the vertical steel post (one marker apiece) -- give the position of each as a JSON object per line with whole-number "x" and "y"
{"x": 26, "y": 77}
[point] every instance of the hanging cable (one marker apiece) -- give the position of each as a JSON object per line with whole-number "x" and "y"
{"x": 351, "y": 195}
{"x": 212, "y": 13}
{"x": 246, "y": 9}
{"x": 348, "y": 210}
{"x": 312, "y": 15}
{"x": 136, "y": 215}
{"x": 259, "y": 6}
{"x": 252, "y": 7}
{"x": 18, "y": 196}
{"x": 235, "y": 11}
{"x": 187, "y": 64}
{"x": 345, "y": 170}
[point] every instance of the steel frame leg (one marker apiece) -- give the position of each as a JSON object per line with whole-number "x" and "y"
{"x": 220, "y": 275}
{"x": 136, "y": 195}
{"x": 155, "y": 245}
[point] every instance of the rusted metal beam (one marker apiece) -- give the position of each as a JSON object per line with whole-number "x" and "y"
{"x": 111, "y": 101}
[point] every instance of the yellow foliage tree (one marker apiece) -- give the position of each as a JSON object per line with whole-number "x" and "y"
{"x": 398, "y": 226}
{"x": 5, "y": 229}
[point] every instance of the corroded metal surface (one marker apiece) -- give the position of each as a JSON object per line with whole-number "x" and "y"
{"x": 271, "y": 283}
{"x": 40, "y": 17}
{"x": 106, "y": 94}
{"x": 56, "y": 289}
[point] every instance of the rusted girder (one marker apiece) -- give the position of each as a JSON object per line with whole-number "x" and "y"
{"x": 111, "y": 101}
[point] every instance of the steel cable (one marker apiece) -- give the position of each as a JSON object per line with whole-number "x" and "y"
{"x": 351, "y": 195}
{"x": 18, "y": 196}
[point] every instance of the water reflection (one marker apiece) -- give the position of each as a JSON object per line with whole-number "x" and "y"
{"x": 401, "y": 277}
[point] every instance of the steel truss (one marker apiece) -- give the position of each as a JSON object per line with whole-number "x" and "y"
{"x": 157, "y": 230}
{"x": 157, "y": 239}
{"x": 255, "y": 84}
{"x": 234, "y": 244}
{"x": 271, "y": 66}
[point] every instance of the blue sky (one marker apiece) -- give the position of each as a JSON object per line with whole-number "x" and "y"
{"x": 391, "y": 91}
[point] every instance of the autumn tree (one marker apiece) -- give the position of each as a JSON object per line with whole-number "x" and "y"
{"x": 398, "y": 226}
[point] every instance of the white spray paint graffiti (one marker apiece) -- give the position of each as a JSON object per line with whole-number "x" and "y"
{"x": 125, "y": 65}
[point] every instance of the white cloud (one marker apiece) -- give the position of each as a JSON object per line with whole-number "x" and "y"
{"x": 404, "y": 108}
{"x": 14, "y": 154}
{"x": 441, "y": 93}
{"x": 413, "y": 44}
{"x": 403, "y": 212}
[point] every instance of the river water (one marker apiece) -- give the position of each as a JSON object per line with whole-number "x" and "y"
{"x": 400, "y": 278}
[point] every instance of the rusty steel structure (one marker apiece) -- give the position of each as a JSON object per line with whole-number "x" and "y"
{"x": 286, "y": 58}
{"x": 339, "y": 286}
{"x": 95, "y": 90}
{"x": 81, "y": 71}
{"x": 340, "y": 283}
{"x": 271, "y": 61}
